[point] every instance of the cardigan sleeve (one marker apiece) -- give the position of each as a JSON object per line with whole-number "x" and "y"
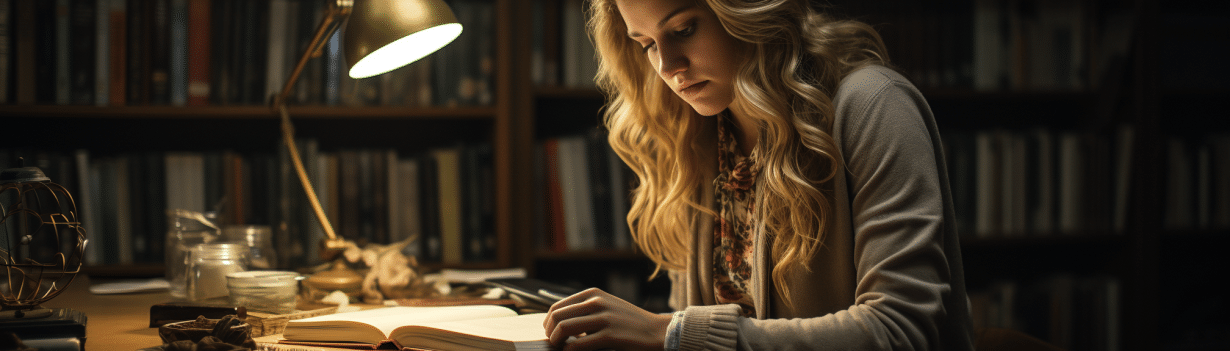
{"x": 897, "y": 218}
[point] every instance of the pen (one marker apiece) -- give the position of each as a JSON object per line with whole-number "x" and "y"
{"x": 551, "y": 295}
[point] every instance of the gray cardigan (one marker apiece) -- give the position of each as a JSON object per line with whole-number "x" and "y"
{"x": 888, "y": 278}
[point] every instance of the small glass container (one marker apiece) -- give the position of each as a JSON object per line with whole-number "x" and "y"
{"x": 185, "y": 230}
{"x": 259, "y": 239}
{"x": 264, "y": 291}
{"x": 209, "y": 266}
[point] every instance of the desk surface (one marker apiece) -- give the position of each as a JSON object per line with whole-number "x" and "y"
{"x": 117, "y": 322}
{"x": 114, "y": 322}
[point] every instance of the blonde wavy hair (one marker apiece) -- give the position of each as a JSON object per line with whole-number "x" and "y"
{"x": 796, "y": 58}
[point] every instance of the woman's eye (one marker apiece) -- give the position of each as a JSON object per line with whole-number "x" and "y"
{"x": 686, "y": 31}
{"x": 647, "y": 47}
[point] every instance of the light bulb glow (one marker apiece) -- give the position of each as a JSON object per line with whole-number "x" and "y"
{"x": 405, "y": 50}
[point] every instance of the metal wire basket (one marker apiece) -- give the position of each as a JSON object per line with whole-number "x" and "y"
{"x": 41, "y": 240}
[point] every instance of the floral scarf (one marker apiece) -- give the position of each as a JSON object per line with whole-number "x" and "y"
{"x": 733, "y": 240}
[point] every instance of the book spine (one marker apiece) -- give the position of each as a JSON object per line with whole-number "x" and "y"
{"x": 449, "y": 178}
{"x": 178, "y": 65}
{"x": 551, "y": 43}
{"x": 409, "y": 213}
{"x": 139, "y": 41}
{"x": 275, "y": 74}
{"x": 102, "y": 52}
{"x": 155, "y": 201}
{"x": 541, "y": 209}
{"x": 988, "y": 45}
{"x": 1044, "y": 171}
{"x": 365, "y": 201}
{"x": 599, "y": 175}
{"x": 117, "y": 76}
{"x": 571, "y": 52}
{"x": 6, "y": 55}
{"x": 484, "y": 52}
{"x": 394, "y": 192}
{"x": 430, "y": 205}
{"x": 198, "y": 51}
{"x": 83, "y": 19}
{"x": 485, "y": 167}
{"x": 221, "y": 51}
{"x": 252, "y": 37}
{"x": 537, "y": 62}
{"x": 63, "y": 74}
{"x": 159, "y": 52}
{"x": 988, "y": 195}
{"x": 123, "y": 211}
{"x": 380, "y": 197}
{"x": 45, "y": 75}
{"x": 478, "y": 190}
{"x": 557, "y": 239}
{"x": 26, "y": 52}
{"x": 334, "y": 74}
{"x": 134, "y": 195}
{"x": 569, "y": 190}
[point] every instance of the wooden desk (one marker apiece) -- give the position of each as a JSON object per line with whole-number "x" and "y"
{"x": 114, "y": 322}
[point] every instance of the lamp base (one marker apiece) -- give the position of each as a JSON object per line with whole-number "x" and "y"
{"x": 44, "y": 323}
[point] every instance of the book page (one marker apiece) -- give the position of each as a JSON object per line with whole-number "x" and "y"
{"x": 504, "y": 333}
{"x": 385, "y": 320}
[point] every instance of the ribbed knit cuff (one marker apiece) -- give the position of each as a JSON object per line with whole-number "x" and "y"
{"x": 672, "y": 331}
{"x": 710, "y": 328}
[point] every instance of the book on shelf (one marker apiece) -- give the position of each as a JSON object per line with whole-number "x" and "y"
{"x": 450, "y": 201}
{"x": 198, "y": 65}
{"x": 6, "y": 53}
{"x": 553, "y": 200}
{"x": 1039, "y": 181}
{"x": 218, "y": 52}
{"x": 578, "y": 204}
{"x": 580, "y": 63}
{"x": 101, "y": 25}
{"x": 584, "y": 189}
{"x": 1070, "y": 311}
{"x": 116, "y": 52}
{"x": 483, "y": 327}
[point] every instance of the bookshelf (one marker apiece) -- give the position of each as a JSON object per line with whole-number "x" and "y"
{"x": 249, "y": 47}
{"x": 1149, "y": 183}
{"x": 1129, "y": 78}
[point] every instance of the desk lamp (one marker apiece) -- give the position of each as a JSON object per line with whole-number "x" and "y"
{"x": 382, "y": 35}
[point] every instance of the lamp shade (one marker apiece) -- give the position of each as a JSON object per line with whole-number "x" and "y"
{"x": 382, "y": 35}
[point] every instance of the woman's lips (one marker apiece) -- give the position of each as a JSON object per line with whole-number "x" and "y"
{"x": 693, "y": 88}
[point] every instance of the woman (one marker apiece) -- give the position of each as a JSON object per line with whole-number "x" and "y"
{"x": 791, "y": 184}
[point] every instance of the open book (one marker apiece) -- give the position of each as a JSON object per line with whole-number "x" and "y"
{"x": 438, "y": 328}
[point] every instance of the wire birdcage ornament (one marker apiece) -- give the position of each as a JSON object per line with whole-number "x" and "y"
{"x": 43, "y": 243}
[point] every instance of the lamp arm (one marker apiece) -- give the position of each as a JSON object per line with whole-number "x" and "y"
{"x": 334, "y": 17}
{"x": 288, "y": 136}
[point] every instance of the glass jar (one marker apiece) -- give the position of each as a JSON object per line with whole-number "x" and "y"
{"x": 185, "y": 231}
{"x": 264, "y": 291}
{"x": 259, "y": 239}
{"x": 209, "y": 266}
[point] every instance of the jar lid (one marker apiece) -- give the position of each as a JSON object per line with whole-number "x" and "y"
{"x": 262, "y": 278}
{"x": 223, "y": 250}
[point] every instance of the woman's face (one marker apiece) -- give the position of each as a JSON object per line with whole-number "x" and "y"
{"x": 688, "y": 48}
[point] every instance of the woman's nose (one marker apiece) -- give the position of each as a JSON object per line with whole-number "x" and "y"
{"x": 671, "y": 60}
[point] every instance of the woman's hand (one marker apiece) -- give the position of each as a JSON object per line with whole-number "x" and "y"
{"x": 600, "y": 320}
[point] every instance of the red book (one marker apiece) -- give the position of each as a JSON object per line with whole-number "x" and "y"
{"x": 198, "y": 52}
{"x": 118, "y": 15}
{"x": 556, "y": 235}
